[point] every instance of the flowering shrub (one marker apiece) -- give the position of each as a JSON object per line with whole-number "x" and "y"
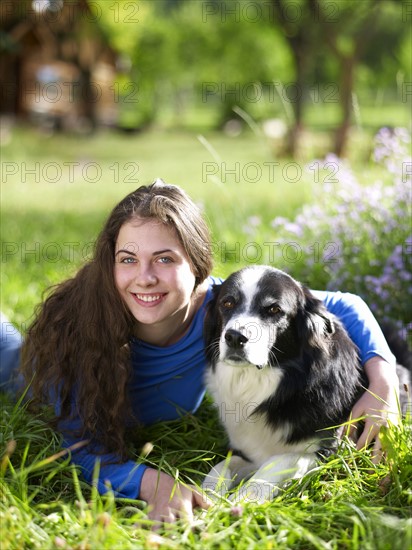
{"x": 356, "y": 237}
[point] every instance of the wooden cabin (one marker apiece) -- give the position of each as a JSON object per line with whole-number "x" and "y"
{"x": 57, "y": 68}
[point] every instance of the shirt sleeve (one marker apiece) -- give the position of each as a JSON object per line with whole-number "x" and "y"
{"x": 123, "y": 478}
{"x": 360, "y": 323}
{"x": 10, "y": 344}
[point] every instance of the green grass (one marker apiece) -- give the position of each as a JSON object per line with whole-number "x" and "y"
{"x": 347, "y": 502}
{"x": 47, "y": 227}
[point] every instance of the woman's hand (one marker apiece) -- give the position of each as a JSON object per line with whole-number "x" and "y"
{"x": 379, "y": 405}
{"x": 169, "y": 500}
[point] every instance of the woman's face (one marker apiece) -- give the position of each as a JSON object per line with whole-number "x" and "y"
{"x": 154, "y": 278}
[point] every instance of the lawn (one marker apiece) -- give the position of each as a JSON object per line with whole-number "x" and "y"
{"x": 56, "y": 192}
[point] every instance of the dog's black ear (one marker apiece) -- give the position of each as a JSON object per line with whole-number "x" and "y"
{"x": 315, "y": 324}
{"x": 212, "y": 325}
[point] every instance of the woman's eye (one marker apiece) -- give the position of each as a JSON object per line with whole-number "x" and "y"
{"x": 127, "y": 260}
{"x": 165, "y": 260}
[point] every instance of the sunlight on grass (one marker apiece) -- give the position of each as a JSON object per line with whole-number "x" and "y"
{"x": 345, "y": 502}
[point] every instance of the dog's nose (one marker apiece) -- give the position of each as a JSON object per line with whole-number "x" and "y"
{"x": 235, "y": 339}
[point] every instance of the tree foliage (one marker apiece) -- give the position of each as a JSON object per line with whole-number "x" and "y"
{"x": 175, "y": 48}
{"x": 214, "y": 51}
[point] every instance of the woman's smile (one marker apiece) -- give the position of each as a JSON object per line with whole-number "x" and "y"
{"x": 149, "y": 299}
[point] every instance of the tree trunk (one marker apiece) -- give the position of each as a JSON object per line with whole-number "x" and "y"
{"x": 348, "y": 65}
{"x": 295, "y": 132}
{"x": 296, "y": 35}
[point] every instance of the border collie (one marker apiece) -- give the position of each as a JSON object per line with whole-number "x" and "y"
{"x": 282, "y": 371}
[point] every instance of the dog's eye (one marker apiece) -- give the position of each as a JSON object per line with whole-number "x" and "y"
{"x": 228, "y": 303}
{"x": 274, "y": 309}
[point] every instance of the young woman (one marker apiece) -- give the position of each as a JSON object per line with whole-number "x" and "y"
{"x": 121, "y": 343}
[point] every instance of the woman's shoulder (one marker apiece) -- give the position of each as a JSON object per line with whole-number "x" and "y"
{"x": 206, "y": 294}
{"x": 214, "y": 281}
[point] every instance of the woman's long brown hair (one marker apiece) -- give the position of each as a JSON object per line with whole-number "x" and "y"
{"x": 77, "y": 348}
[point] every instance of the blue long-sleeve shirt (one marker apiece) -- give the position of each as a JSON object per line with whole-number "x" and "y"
{"x": 169, "y": 381}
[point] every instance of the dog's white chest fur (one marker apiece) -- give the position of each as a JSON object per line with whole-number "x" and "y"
{"x": 237, "y": 391}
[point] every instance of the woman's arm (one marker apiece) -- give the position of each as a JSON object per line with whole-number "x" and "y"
{"x": 360, "y": 323}
{"x": 167, "y": 499}
{"x": 380, "y": 403}
{"x": 123, "y": 478}
{"x": 10, "y": 347}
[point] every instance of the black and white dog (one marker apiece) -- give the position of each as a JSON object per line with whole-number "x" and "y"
{"x": 282, "y": 372}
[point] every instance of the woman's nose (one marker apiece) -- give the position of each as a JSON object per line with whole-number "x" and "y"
{"x": 145, "y": 276}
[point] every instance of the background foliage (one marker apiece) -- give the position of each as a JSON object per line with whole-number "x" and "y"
{"x": 272, "y": 58}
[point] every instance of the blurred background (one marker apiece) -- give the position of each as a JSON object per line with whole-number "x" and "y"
{"x": 233, "y": 100}
{"x": 321, "y": 65}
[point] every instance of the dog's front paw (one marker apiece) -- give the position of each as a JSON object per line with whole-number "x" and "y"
{"x": 214, "y": 488}
{"x": 218, "y": 481}
{"x": 256, "y": 491}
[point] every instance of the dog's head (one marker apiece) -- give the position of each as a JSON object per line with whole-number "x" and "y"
{"x": 261, "y": 316}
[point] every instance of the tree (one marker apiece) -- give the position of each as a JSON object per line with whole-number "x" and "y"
{"x": 349, "y": 37}
{"x": 181, "y": 52}
{"x": 295, "y": 22}
{"x": 353, "y": 32}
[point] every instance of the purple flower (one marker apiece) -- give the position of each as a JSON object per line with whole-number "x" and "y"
{"x": 293, "y": 228}
{"x": 355, "y": 236}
